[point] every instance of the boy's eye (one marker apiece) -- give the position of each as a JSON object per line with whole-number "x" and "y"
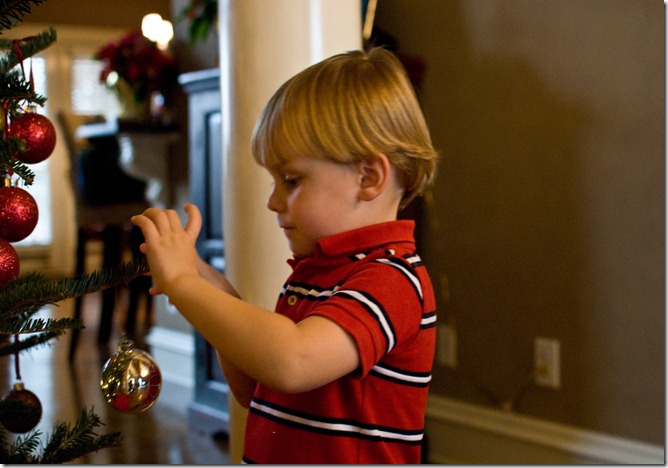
{"x": 290, "y": 181}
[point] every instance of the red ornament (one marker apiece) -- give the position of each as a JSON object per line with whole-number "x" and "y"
{"x": 9, "y": 262}
{"x": 38, "y": 133}
{"x": 25, "y": 411}
{"x": 18, "y": 214}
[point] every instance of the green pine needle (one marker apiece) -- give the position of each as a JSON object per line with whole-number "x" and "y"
{"x": 20, "y": 451}
{"x": 32, "y": 291}
{"x": 28, "y": 47}
{"x": 12, "y": 11}
{"x": 10, "y": 347}
{"x": 68, "y": 442}
{"x": 8, "y": 149}
{"x": 65, "y": 444}
{"x": 21, "y": 298}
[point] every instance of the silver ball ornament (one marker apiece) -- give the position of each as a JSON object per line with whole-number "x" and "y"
{"x": 131, "y": 379}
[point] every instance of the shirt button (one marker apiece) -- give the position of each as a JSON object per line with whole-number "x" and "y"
{"x": 292, "y": 300}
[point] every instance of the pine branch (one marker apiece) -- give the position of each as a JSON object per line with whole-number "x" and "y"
{"x": 32, "y": 291}
{"x": 21, "y": 450}
{"x": 14, "y": 87}
{"x": 12, "y": 11}
{"x": 40, "y": 325}
{"x": 8, "y": 148}
{"x": 67, "y": 443}
{"x": 10, "y": 347}
{"x": 64, "y": 445}
{"x": 28, "y": 46}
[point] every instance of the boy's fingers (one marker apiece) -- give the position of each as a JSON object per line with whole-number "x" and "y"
{"x": 173, "y": 222}
{"x": 162, "y": 220}
{"x": 194, "y": 221}
{"x": 145, "y": 224}
{"x": 166, "y": 220}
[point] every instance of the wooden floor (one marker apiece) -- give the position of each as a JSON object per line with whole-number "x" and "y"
{"x": 160, "y": 435}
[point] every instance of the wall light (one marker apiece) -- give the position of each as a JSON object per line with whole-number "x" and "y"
{"x": 157, "y": 30}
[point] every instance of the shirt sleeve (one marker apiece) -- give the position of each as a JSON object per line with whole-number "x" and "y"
{"x": 379, "y": 307}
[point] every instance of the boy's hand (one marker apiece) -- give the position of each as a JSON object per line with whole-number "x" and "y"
{"x": 169, "y": 248}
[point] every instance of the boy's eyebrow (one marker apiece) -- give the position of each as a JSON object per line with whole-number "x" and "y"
{"x": 273, "y": 163}
{"x": 280, "y": 168}
{"x": 284, "y": 165}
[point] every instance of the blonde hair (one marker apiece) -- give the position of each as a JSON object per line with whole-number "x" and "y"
{"x": 348, "y": 108}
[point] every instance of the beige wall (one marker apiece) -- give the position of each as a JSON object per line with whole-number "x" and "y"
{"x": 548, "y": 215}
{"x": 110, "y": 13}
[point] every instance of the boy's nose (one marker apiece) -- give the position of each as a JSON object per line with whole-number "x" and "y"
{"x": 273, "y": 202}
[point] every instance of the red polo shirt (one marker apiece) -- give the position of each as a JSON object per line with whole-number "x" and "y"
{"x": 370, "y": 282}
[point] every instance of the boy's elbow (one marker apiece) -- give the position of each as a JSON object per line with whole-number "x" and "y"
{"x": 244, "y": 400}
{"x": 285, "y": 384}
{"x": 287, "y": 379}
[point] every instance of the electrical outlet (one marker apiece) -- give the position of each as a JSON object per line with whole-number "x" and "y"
{"x": 547, "y": 362}
{"x": 446, "y": 343}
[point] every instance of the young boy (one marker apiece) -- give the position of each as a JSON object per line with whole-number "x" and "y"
{"x": 340, "y": 373}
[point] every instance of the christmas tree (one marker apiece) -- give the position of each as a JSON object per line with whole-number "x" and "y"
{"x": 27, "y": 138}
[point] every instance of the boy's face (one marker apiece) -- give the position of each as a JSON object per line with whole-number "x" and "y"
{"x": 313, "y": 198}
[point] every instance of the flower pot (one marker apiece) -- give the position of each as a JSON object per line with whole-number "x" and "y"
{"x": 131, "y": 108}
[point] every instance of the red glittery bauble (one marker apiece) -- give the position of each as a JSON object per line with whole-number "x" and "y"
{"x": 18, "y": 214}
{"x": 39, "y": 134}
{"x": 25, "y": 412}
{"x": 9, "y": 262}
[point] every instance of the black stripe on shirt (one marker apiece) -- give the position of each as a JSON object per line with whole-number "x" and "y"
{"x": 339, "y": 427}
{"x": 401, "y": 376}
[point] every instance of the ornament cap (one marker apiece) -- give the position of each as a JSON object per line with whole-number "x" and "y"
{"x": 126, "y": 346}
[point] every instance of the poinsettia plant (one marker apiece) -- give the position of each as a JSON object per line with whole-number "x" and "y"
{"x": 140, "y": 63}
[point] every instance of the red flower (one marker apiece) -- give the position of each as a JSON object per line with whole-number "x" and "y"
{"x": 140, "y": 63}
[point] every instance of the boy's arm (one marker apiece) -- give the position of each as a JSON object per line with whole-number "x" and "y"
{"x": 241, "y": 385}
{"x": 215, "y": 277}
{"x": 266, "y": 346}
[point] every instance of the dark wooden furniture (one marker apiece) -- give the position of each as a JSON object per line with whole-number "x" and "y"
{"x": 105, "y": 199}
{"x": 208, "y": 412}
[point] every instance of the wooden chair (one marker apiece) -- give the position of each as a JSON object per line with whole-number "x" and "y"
{"x": 107, "y": 221}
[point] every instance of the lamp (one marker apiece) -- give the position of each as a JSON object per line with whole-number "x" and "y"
{"x": 160, "y": 31}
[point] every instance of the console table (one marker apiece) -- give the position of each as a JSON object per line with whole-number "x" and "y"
{"x": 208, "y": 412}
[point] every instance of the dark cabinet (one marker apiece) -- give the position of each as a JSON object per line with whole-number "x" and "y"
{"x": 208, "y": 412}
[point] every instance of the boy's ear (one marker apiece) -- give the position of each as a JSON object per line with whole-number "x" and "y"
{"x": 374, "y": 174}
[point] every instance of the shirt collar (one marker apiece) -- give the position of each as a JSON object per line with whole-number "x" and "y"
{"x": 364, "y": 239}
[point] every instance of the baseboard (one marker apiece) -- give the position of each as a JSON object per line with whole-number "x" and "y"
{"x": 463, "y": 433}
{"x": 174, "y": 351}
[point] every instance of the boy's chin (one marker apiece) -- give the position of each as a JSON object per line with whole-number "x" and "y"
{"x": 300, "y": 250}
